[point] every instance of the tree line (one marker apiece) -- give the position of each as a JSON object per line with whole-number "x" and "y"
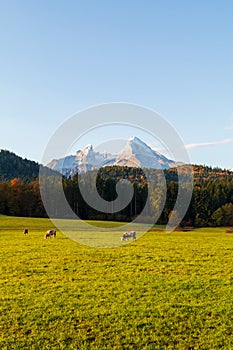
{"x": 211, "y": 203}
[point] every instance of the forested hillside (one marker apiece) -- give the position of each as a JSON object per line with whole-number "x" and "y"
{"x": 13, "y": 166}
{"x": 211, "y": 204}
{"x": 19, "y": 186}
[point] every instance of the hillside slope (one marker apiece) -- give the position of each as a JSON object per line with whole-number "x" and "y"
{"x": 13, "y": 166}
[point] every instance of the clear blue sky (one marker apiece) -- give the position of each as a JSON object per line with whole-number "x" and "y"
{"x": 176, "y": 57}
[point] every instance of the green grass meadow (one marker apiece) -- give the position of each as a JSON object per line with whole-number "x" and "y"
{"x": 163, "y": 291}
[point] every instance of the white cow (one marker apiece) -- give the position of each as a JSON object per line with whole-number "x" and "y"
{"x": 127, "y": 235}
{"x": 50, "y": 233}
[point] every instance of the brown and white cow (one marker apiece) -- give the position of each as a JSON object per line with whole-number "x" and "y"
{"x": 50, "y": 233}
{"x": 127, "y": 235}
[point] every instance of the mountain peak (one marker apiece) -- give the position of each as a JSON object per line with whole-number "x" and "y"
{"x": 135, "y": 139}
{"x": 136, "y": 153}
{"x": 90, "y": 147}
{"x": 87, "y": 149}
{"x": 136, "y": 146}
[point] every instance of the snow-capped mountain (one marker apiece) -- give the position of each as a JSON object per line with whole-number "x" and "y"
{"x": 84, "y": 160}
{"x": 136, "y": 153}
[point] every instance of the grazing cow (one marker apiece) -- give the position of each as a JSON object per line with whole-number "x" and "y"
{"x": 127, "y": 235}
{"x": 50, "y": 233}
{"x": 25, "y": 231}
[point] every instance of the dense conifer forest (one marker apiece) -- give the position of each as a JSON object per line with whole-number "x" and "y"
{"x": 211, "y": 204}
{"x": 13, "y": 166}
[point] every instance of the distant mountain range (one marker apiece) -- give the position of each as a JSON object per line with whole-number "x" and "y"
{"x": 136, "y": 153}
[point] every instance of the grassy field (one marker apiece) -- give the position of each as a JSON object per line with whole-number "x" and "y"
{"x": 164, "y": 291}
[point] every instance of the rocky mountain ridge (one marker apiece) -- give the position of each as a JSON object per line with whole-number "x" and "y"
{"x": 136, "y": 153}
